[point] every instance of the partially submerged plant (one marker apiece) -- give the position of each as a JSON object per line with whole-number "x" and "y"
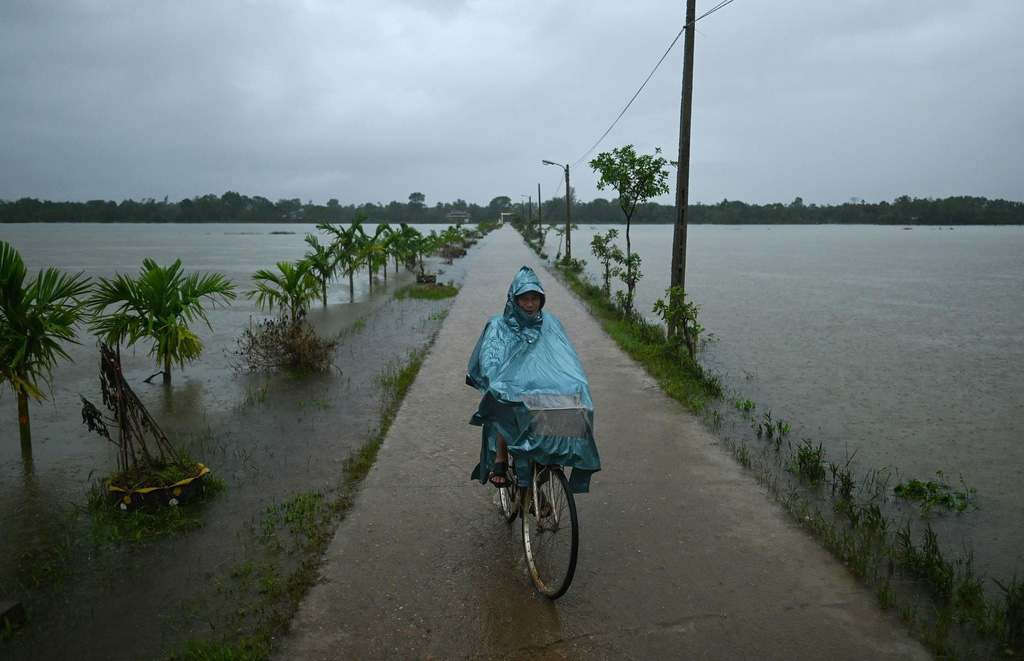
{"x": 145, "y": 458}
{"x": 280, "y": 344}
{"x": 936, "y": 493}
{"x": 809, "y": 462}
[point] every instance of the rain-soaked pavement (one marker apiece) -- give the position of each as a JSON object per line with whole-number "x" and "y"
{"x": 681, "y": 554}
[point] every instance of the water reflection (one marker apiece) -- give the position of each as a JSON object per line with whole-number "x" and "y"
{"x": 38, "y": 483}
{"x": 897, "y": 349}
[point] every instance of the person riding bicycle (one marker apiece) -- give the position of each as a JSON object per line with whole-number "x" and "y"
{"x": 536, "y": 400}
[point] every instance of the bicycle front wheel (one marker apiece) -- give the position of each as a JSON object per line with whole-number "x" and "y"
{"x": 550, "y": 532}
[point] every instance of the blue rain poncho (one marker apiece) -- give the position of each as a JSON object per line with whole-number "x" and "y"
{"x": 535, "y": 393}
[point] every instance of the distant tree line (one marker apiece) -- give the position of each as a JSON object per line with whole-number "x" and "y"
{"x": 233, "y": 207}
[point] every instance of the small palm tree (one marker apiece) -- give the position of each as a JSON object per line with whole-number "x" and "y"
{"x": 291, "y": 289}
{"x": 348, "y": 247}
{"x": 373, "y": 251}
{"x": 403, "y": 245}
{"x": 323, "y": 263}
{"x": 158, "y": 305}
{"x": 385, "y": 236}
{"x": 35, "y": 317}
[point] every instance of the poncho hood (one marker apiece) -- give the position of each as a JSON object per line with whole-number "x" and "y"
{"x": 517, "y": 318}
{"x": 535, "y": 394}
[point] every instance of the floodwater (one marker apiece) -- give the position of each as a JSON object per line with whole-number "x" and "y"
{"x": 902, "y": 348}
{"x": 267, "y": 438}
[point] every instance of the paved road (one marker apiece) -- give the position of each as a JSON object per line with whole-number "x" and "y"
{"x": 681, "y": 554}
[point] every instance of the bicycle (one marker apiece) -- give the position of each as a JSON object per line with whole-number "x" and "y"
{"x": 550, "y": 530}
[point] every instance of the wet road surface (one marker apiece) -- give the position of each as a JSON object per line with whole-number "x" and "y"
{"x": 682, "y": 555}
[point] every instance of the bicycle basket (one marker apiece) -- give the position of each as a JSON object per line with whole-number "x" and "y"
{"x": 558, "y": 415}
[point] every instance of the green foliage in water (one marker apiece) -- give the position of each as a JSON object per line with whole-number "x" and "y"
{"x": 809, "y": 462}
{"x": 428, "y": 291}
{"x": 936, "y": 494}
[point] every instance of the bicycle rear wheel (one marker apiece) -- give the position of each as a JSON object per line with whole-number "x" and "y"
{"x": 550, "y": 532}
{"x": 508, "y": 496}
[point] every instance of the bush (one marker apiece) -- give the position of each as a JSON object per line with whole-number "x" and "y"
{"x": 281, "y": 344}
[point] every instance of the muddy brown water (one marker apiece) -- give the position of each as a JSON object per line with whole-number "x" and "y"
{"x": 898, "y": 349}
{"x": 91, "y": 599}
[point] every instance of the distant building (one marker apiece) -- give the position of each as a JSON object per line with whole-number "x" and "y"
{"x": 458, "y": 217}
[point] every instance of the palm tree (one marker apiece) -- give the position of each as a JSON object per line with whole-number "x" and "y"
{"x": 386, "y": 235}
{"x": 35, "y": 317}
{"x": 348, "y": 247}
{"x": 158, "y": 305}
{"x": 451, "y": 241}
{"x": 373, "y": 251}
{"x": 402, "y": 245}
{"x": 323, "y": 263}
{"x": 291, "y": 289}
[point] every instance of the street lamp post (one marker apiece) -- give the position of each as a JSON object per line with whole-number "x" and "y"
{"x": 568, "y": 243}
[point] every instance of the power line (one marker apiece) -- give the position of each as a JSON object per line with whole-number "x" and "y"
{"x": 667, "y": 51}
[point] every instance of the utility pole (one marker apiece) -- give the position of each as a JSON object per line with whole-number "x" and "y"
{"x": 568, "y": 219}
{"x": 568, "y": 202}
{"x": 540, "y": 204}
{"x": 683, "y": 170}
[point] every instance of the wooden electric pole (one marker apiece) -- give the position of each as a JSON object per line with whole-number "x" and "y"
{"x": 568, "y": 218}
{"x": 683, "y": 170}
{"x": 540, "y": 203}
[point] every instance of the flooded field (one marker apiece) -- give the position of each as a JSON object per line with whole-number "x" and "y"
{"x": 273, "y": 441}
{"x": 898, "y": 349}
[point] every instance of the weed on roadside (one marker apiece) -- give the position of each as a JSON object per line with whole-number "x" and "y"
{"x": 429, "y": 291}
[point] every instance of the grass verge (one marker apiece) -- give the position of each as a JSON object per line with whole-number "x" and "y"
{"x": 674, "y": 370}
{"x": 295, "y": 534}
{"x": 428, "y": 291}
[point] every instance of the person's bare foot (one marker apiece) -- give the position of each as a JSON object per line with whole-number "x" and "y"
{"x": 499, "y": 473}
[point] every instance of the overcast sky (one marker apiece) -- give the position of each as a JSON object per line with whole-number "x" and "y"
{"x": 371, "y": 100}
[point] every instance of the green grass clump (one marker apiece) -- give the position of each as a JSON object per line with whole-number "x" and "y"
{"x": 935, "y": 493}
{"x": 301, "y": 527}
{"x": 809, "y": 462}
{"x": 142, "y": 527}
{"x": 677, "y": 374}
{"x": 251, "y": 649}
{"x": 395, "y": 382}
{"x": 429, "y": 291}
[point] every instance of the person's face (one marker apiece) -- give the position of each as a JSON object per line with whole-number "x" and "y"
{"x": 529, "y": 302}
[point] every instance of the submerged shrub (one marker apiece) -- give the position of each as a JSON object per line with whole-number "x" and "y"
{"x": 280, "y": 344}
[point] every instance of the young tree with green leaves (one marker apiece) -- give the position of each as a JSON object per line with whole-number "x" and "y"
{"x": 290, "y": 289}
{"x": 403, "y": 242}
{"x": 680, "y": 314}
{"x": 347, "y": 245}
{"x": 636, "y": 177}
{"x": 157, "y": 305}
{"x": 323, "y": 263}
{"x": 375, "y": 250}
{"x": 35, "y": 317}
{"x": 606, "y": 252}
